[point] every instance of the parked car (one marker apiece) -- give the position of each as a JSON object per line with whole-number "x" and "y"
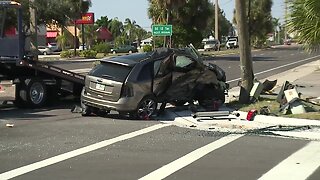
{"x": 45, "y": 50}
{"x": 124, "y": 49}
{"x": 134, "y": 84}
{"x": 213, "y": 44}
{"x": 54, "y": 47}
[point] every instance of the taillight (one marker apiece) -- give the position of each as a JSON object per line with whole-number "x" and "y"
{"x": 127, "y": 90}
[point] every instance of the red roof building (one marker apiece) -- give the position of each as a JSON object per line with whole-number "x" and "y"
{"x": 104, "y": 34}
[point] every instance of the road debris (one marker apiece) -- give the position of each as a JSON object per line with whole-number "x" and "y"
{"x": 10, "y": 125}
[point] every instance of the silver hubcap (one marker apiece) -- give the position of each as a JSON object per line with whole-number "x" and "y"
{"x": 146, "y": 109}
{"x": 36, "y": 93}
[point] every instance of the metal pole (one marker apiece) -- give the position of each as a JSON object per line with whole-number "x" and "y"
{"x": 285, "y": 19}
{"x": 82, "y": 34}
{"x": 216, "y": 28}
{"x": 33, "y": 30}
{"x": 75, "y": 39}
{"x": 249, "y": 21}
{"x": 2, "y": 22}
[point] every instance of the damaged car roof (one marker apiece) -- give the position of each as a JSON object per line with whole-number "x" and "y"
{"x": 132, "y": 59}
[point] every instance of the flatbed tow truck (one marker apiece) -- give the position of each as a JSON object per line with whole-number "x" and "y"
{"x": 23, "y": 80}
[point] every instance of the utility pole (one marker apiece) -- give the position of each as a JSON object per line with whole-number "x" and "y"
{"x": 33, "y": 30}
{"x": 285, "y": 19}
{"x": 245, "y": 52}
{"x": 216, "y": 27}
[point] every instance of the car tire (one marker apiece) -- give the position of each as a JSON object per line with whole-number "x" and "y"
{"x": 130, "y": 51}
{"x": 45, "y": 53}
{"x": 146, "y": 108}
{"x": 114, "y": 52}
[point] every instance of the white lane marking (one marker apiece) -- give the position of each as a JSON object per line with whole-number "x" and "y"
{"x": 178, "y": 164}
{"x": 277, "y": 67}
{"x": 299, "y": 165}
{"x": 31, "y": 167}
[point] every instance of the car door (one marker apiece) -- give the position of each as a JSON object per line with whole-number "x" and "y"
{"x": 185, "y": 73}
{"x": 162, "y": 76}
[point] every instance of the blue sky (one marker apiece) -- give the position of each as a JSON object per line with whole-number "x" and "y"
{"x": 137, "y": 10}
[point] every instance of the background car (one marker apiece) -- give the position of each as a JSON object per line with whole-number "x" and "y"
{"x": 54, "y": 47}
{"x": 45, "y": 50}
{"x": 134, "y": 84}
{"x": 212, "y": 45}
{"x": 124, "y": 49}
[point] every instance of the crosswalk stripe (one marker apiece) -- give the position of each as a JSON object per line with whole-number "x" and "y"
{"x": 300, "y": 165}
{"x": 178, "y": 164}
{"x": 31, "y": 167}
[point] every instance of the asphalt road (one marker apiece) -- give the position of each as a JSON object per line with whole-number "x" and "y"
{"x": 266, "y": 62}
{"x": 44, "y": 141}
{"x": 53, "y": 143}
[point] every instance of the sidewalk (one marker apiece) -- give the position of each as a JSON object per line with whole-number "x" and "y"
{"x": 307, "y": 77}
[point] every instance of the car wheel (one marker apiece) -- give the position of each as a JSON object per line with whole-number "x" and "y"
{"x": 114, "y": 52}
{"x": 130, "y": 51}
{"x": 45, "y": 53}
{"x": 146, "y": 108}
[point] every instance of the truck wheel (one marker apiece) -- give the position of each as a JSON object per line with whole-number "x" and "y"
{"x": 36, "y": 93}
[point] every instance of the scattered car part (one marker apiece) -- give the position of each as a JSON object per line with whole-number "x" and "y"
{"x": 251, "y": 115}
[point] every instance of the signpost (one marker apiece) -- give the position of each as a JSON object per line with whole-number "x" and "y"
{"x": 86, "y": 18}
{"x": 162, "y": 30}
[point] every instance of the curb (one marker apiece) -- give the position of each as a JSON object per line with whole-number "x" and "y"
{"x": 274, "y": 120}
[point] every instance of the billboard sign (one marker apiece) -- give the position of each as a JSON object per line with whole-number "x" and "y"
{"x": 87, "y": 18}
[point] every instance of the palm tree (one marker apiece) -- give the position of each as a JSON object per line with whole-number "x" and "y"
{"x": 130, "y": 28}
{"x": 115, "y": 27}
{"x": 304, "y": 18}
{"x": 160, "y": 10}
{"x": 90, "y": 34}
{"x": 276, "y": 24}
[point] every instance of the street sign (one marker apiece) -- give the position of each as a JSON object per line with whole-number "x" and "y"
{"x": 87, "y": 18}
{"x": 161, "y": 30}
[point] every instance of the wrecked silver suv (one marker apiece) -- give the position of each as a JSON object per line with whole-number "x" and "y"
{"x": 134, "y": 84}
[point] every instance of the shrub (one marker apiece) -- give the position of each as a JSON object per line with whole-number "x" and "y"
{"x": 102, "y": 48}
{"x": 88, "y": 53}
{"x": 66, "y": 54}
{"x": 147, "y": 48}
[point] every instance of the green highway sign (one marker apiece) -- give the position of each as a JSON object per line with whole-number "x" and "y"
{"x": 161, "y": 30}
